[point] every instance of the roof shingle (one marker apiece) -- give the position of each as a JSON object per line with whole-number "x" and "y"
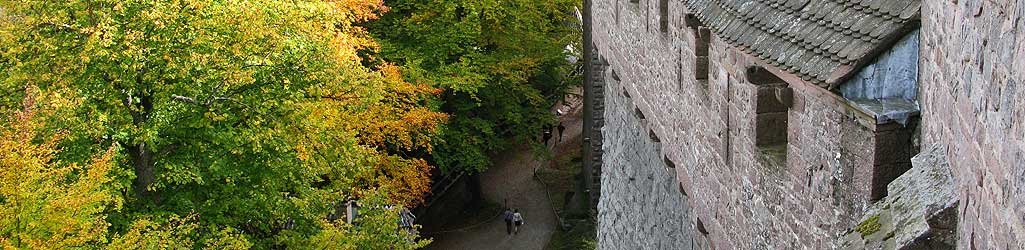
{"x": 822, "y": 41}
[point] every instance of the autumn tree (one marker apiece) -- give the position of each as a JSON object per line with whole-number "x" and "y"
{"x": 49, "y": 204}
{"x": 502, "y": 64}
{"x": 45, "y": 203}
{"x": 254, "y": 117}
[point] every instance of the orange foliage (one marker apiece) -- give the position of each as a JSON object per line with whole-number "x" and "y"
{"x": 400, "y": 119}
{"x": 360, "y": 10}
{"x": 405, "y": 181}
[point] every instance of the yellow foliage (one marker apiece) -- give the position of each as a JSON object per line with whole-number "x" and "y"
{"x": 175, "y": 234}
{"x": 45, "y": 203}
{"x": 391, "y": 116}
{"x": 276, "y": 89}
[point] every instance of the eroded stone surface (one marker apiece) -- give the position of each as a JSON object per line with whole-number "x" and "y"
{"x": 799, "y": 196}
{"x": 973, "y": 68}
{"x": 697, "y": 100}
{"x": 641, "y": 206}
{"x": 918, "y": 213}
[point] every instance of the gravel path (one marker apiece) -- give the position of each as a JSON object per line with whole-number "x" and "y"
{"x": 512, "y": 178}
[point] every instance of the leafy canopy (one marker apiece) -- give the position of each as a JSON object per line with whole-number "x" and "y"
{"x": 503, "y": 64}
{"x": 45, "y": 203}
{"x": 233, "y": 122}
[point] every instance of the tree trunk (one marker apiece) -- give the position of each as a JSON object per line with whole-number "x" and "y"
{"x": 142, "y": 159}
{"x": 142, "y": 155}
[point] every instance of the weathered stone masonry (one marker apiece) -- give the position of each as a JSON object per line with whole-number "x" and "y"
{"x": 705, "y": 107}
{"x": 640, "y": 198}
{"x": 973, "y": 100}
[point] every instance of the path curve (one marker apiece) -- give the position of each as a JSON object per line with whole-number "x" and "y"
{"x": 512, "y": 178}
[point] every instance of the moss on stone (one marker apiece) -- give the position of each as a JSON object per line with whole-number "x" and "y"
{"x": 868, "y": 226}
{"x": 889, "y": 235}
{"x": 773, "y": 157}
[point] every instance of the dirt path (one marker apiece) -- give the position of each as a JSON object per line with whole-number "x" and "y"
{"x": 512, "y": 178}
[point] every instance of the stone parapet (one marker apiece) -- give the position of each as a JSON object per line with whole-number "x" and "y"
{"x": 919, "y": 213}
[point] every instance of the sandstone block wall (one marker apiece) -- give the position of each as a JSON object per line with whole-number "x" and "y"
{"x": 972, "y": 66}
{"x": 739, "y": 199}
{"x": 920, "y": 211}
{"x": 641, "y": 206}
{"x": 973, "y": 101}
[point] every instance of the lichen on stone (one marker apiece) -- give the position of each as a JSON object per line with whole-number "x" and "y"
{"x": 868, "y": 226}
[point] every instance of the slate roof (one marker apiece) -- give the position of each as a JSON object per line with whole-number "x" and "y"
{"x": 822, "y": 41}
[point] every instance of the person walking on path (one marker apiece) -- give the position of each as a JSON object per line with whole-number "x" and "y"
{"x": 518, "y": 219}
{"x": 508, "y": 215}
{"x": 546, "y": 133}
{"x": 561, "y": 129}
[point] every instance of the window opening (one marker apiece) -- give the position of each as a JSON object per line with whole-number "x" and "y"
{"x": 663, "y": 10}
{"x": 772, "y": 107}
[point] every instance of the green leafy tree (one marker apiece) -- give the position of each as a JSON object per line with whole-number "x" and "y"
{"x": 45, "y": 203}
{"x": 251, "y": 119}
{"x": 371, "y": 234}
{"x": 503, "y": 64}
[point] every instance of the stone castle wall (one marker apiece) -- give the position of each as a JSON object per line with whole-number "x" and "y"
{"x": 972, "y": 72}
{"x": 640, "y": 206}
{"x": 734, "y": 196}
{"x": 707, "y": 130}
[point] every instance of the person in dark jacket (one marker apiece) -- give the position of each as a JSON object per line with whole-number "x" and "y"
{"x": 561, "y": 129}
{"x": 508, "y": 215}
{"x": 546, "y": 134}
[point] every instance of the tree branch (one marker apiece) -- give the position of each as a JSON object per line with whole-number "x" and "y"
{"x": 233, "y": 100}
{"x": 60, "y": 26}
{"x": 257, "y": 65}
{"x": 338, "y": 98}
{"x": 209, "y": 102}
{"x": 168, "y": 149}
{"x": 186, "y": 100}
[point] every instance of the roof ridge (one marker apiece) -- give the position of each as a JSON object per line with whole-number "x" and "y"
{"x": 821, "y": 41}
{"x": 895, "y": 13}
{"x": 776, "y": 60}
